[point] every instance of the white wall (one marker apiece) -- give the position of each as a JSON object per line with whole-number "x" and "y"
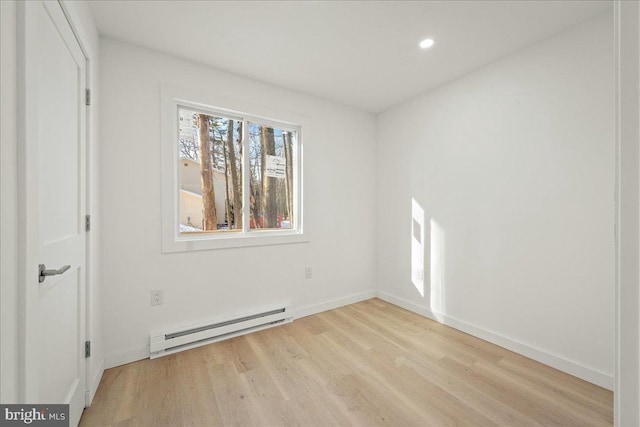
{"x": 514, "y": 164}
{"x": 9, "y": 364}
{"x": 338, "y": 202}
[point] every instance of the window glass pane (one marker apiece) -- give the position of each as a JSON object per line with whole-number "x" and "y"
{"x": 210, "y": 173}
{"x": 271, "y": 153}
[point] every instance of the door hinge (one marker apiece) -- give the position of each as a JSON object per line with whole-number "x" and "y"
{"x": 87, "y": 97}
{"x": 87, "y": 349}
{"x": 87, "y": 223}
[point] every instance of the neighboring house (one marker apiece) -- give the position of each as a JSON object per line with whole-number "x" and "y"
{"x": 191, "y": 194}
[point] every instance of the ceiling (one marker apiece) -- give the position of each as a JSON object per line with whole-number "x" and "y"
{"x": 364, "y": 54}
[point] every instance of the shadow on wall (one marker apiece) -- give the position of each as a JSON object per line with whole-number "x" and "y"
{"x": 436, "y": 284}
{"x": 436, "y": 268}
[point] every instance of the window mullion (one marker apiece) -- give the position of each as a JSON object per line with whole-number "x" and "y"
{"x": 297, "y": 193}
{"x": 246, "y": 178}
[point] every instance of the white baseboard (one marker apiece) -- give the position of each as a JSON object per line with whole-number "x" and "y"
{"x": 138, "y": 353}
{"x": 570, "y": 367}
{"x": 132, "y": 354}
{"x": 95, "y": 382}
{"x": 331, "y": 304}
{"x": 573, "y": 368}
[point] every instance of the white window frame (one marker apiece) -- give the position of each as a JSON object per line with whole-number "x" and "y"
{"x": 172, "y": 240}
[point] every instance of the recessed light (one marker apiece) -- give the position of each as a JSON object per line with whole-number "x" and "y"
{"x": 426, "y": 43}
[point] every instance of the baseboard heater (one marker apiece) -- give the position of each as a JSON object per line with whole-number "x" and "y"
{"x": 173, "y": 341}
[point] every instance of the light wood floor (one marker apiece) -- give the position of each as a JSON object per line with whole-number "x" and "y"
{"x": 367, "y": 364}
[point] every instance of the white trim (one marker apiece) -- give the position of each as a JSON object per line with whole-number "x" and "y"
{"x": 95, "y": 382}
{"x": 573, "y": 368}
{"x": 171, "y": 99}
{"x": 27, "y": 200}
{"x": 79, "y": 29}
{"x": 616, "y": 195}
{"x": 331, "y": 304}
{"x": 9, "y": 289}
{"x": 246, "y": 177}
{"x": 133, "y": 354}
{"x": 201, "y": 242}
{"x": 627, "y": 204}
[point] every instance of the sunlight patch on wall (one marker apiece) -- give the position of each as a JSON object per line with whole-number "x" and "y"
{"x": 417, "y": 246}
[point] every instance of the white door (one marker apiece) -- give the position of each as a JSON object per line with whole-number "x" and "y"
{"x": 55, "y": 139}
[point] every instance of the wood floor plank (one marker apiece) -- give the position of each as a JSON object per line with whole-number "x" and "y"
{"x": 368, "y": 364}
{"x": 496, "y": 410}
{"x": 557, "y": 380}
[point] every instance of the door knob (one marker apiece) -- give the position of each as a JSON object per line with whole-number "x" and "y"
{"x": 44, "y": 272}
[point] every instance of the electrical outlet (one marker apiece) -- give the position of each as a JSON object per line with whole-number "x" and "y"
{"x": 308, "y": 273}
{"x": 157, "y": 297}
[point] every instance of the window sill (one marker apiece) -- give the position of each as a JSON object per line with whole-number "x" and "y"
{"x": 204, "y": 243}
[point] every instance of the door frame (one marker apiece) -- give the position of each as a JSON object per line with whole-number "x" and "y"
{"x": 88, "y": 197}
{"x": 627, "y": 222}
{"x": 27, "y": 201}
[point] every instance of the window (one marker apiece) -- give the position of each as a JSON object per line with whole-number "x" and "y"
{"x": 210, "y": 172}
{"x": 271, "y": 174}
{"x": 236, "y": 179}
